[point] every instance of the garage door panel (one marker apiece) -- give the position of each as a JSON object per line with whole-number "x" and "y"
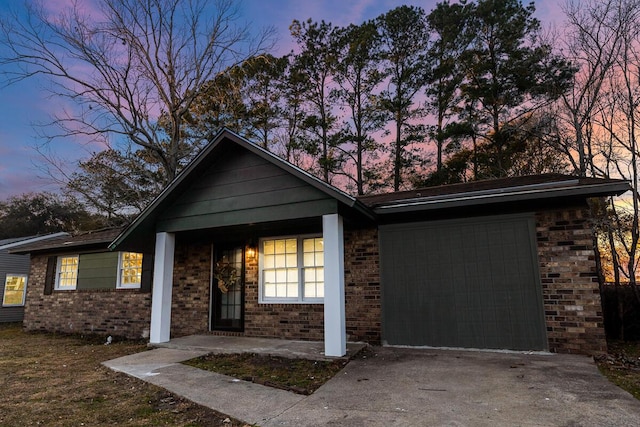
{"x": 471, "y": 283}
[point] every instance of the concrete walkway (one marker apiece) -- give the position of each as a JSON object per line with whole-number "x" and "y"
{"x": 406, "y": 387}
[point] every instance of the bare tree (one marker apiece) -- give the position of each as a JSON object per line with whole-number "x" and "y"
{"x": 601, "y": 114}
{"x": 619, "y": 121}
{"x": 592, "y": 44}
{"x": 132, "y": 70}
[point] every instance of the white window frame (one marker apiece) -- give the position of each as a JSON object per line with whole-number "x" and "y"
{"x": 58, "y": 272}
{"x": 300, "y": 299}
{"x": 24, "y": 291}
{"x": 119, "y": 284}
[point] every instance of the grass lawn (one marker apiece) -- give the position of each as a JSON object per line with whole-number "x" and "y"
{"x": 57, "y": 380}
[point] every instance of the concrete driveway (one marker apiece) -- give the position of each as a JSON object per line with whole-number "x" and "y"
{"x": 407, "y": 387}
{"x": 410, "y": 387}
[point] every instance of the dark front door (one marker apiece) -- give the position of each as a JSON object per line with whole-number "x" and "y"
{"x": 228, "y": 290}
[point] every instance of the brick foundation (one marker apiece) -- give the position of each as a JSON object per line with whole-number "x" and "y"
{"x": 120, "y": 313}
{"x": 571, "y": 296}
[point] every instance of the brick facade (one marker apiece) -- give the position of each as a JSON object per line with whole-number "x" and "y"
{"x": 120, "y": 313}
{"x": 362, "y": 286}
{"x": 191, "y": 289}
{"x": 571, "y": 299}
{"x": 569, "y": 277}
{"x": 286, "y": 321}
{"x": 191, "y": 296}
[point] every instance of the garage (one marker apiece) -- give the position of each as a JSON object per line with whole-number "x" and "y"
{"x": 466, "y": 283}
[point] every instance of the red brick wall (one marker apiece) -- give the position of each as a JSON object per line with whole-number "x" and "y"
{"x": 191, "y": 289}
{"x": 120, "y": 313}
{"x": 571, "y": 295}
{"x": 287, "y": 321}
{"x": 190, "y": 300}
{"x": 362, "y": 285}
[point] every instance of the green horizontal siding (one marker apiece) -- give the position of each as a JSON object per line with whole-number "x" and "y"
{"x": 307, "y": 209}
{"x": 97, "y": 271}
{"x": 243, "y": 189}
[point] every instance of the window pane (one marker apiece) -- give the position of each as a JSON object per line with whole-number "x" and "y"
{"x": 292, "y": 246}
{"x": 310, "y": 290}
{"x": 292, "y": 290}
{"x": 14, "y": 290}
{"x": 292, "y": 275}
{"x": 281, "y": 290}
{"x": 292, "y": 260}
{"x": 307, "y": 245}
{"x": 270, "y": 276}
{"x": 279, "y": 246}
{"x": 130, "y": 269}
{"x": 269, "y": 261}
{"x": 281, "y": 261}
{"x": 270, "y": 290}
{"x": 319, "y": 258}
{"x": 309, "y": 275}
{"x": 67, "y": 272}
{"x": 268, "y": 247}
{"x": 309, "y": 259}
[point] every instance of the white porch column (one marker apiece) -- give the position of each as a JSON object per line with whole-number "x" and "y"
{"x": 162, "y": 285}
{"x": 335, "y": 328}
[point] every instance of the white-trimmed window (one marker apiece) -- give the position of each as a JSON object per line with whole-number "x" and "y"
{"x": 15, "y": 286}
{"x": 292, "y": 269}
{"x": 129, "y": 270}
{"x": 67, "y": 272}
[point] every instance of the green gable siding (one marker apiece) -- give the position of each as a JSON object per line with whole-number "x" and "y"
{"x": 97, "y": 271}
{"x": 242, "y": 189}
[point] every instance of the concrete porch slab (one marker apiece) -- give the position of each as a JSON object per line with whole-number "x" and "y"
{"x": 313, "y": 350}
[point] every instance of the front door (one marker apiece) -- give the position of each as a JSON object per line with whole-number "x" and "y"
{"x": 228, "y": 290}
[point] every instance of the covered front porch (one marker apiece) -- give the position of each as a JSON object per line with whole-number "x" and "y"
{"x": 236, "y": 193}
{"x": 171, "y": 271}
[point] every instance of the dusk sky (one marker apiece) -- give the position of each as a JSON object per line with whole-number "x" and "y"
{"x": 26, "y": 103}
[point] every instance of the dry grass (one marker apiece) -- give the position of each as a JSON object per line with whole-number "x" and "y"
{"x": 300, "y": 376}
{"x": 622, "y": 366}
{"x": 55, "y": 380}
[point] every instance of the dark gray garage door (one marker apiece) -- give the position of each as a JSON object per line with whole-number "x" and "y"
{"x": 470, "y": 283}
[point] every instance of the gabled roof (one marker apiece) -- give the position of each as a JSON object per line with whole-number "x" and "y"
{"x": 90, "y": 240}
{"x": 500, "y": 190}
{"x": 144, "y": 223}
{"x": 538, "y": 187}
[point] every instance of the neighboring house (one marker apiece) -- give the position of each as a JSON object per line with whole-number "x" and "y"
{"x": 14, "y": 277}
{"x": 246, "y": 244}
{"x": 80, "y": 286}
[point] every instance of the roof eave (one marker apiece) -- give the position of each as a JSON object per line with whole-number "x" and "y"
{"x": 32, "y": 240}
{"x": 462, "y": 200}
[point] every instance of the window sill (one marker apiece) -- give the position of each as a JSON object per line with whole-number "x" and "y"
{"x": 289, "y": 302}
